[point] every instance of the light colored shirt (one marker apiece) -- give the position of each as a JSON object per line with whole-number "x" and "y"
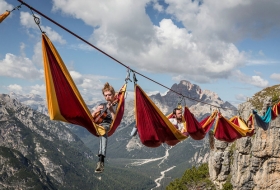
{"x": 179, "y": 126}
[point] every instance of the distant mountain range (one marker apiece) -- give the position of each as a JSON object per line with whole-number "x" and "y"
{"x": 162, "y": 164}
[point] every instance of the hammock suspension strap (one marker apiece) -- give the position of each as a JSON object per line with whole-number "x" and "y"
{"x": 134, "y": 78}
{"x": 15, "y": 8}
{"x": 128, "y": 76}
{"x": 37, "y": 21}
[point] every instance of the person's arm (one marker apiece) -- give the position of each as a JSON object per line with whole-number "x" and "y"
{"x": 98, "y": 109}
{"x": 110, "y": 106}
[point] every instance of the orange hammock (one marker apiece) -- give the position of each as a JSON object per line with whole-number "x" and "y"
{"x": 4, "y": 15}
{"x": 64, "y": 100}
{"x": 230, "y": 130}
{"x": 154, "y": 128}
{"x": 275, "y": 110}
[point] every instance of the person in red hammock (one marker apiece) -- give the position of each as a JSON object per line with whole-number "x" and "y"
{"x": 177, "y": 120}
{"x": 108, "y": 111}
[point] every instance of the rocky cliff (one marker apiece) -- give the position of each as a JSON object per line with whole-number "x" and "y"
{"x": 250, "y": 162}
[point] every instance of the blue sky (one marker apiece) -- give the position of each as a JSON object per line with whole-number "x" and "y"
{"x": 229, "y": 47}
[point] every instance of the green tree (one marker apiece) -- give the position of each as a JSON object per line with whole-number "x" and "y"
{"x": 193, "y": 178}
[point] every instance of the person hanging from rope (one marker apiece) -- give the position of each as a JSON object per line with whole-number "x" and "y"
{"x": 177, "y": 120}
{"x": 105, "y": 113}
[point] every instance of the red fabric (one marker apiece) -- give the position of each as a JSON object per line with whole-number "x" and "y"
{"x": 252, "y": 122}
{"x": 207, "y": 127}
{"x": 69, "y": 105}
{"x": 152, "y": 129}
{"x": 194, "y": 128}
{"x": 225, "y": 132}
{"x": 119, "y": 116}
{"x": 275, "y": 110}
{"x": 236, "y": 122}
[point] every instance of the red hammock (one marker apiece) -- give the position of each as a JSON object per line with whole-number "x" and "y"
{"x": 153, "y": 126}
{"x": 241, "y": 123}
{"x": 230, "y": 130}
{"x": 64, "y": 100}
{"x": 197, "y": 130}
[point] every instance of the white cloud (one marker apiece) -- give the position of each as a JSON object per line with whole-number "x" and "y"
{"x": 275, "y": 76}
{"x": 157, "y": 6}
{"x": 124, "y": 30}
{"x": 38, "y": 89}
{"x": 37, "y": 57}
{"x": 5, "y": 6}
{"x": 81, "y": 47}
{"x": 253, "y": 80}
{"x": 261, "y": 62}
{"x": 54, "y": 36}
{"x": 22, "y": 48}
{"x": 35, "y": 89}
{"x": 227, "y": 20}
{"x": 15, "y": 88}
{"x": 18, "y": 67}
{"x": 241, "y": 97}
{"x": 258, "y": 81}
{"x": 27, "y": 20}
{"x": 88, "y": 85}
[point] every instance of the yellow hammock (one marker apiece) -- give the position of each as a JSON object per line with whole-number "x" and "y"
{"x": 64, "y": 100}
{"x": 4, "y": 15}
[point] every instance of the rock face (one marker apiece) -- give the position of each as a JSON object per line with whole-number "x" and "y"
{"x": 250, "y": 162}
{"x": 219, "y": 163}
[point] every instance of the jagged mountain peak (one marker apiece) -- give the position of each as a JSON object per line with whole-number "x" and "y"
{"x": 192, "y": 91}
{"x": 185, "y": 87}
{"x": 210, "y": 94}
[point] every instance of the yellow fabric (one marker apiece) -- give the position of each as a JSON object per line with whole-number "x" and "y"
{"x": 100, "y": 129}
{"x": 241, "y": 130}
{"x": 251, "y": 117}
{"x": 173, "y": 129}
{"x": 244, "y": 125}
{"x": 4, "y": 15}
{"x": 51, "y": 97}
{"x": 275, "y": 108}
{"x": 210, "y": 119}
{"x": 53, "y": 107}
{"x": 216, "y": 124}
{"x": 123, "y": 89}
